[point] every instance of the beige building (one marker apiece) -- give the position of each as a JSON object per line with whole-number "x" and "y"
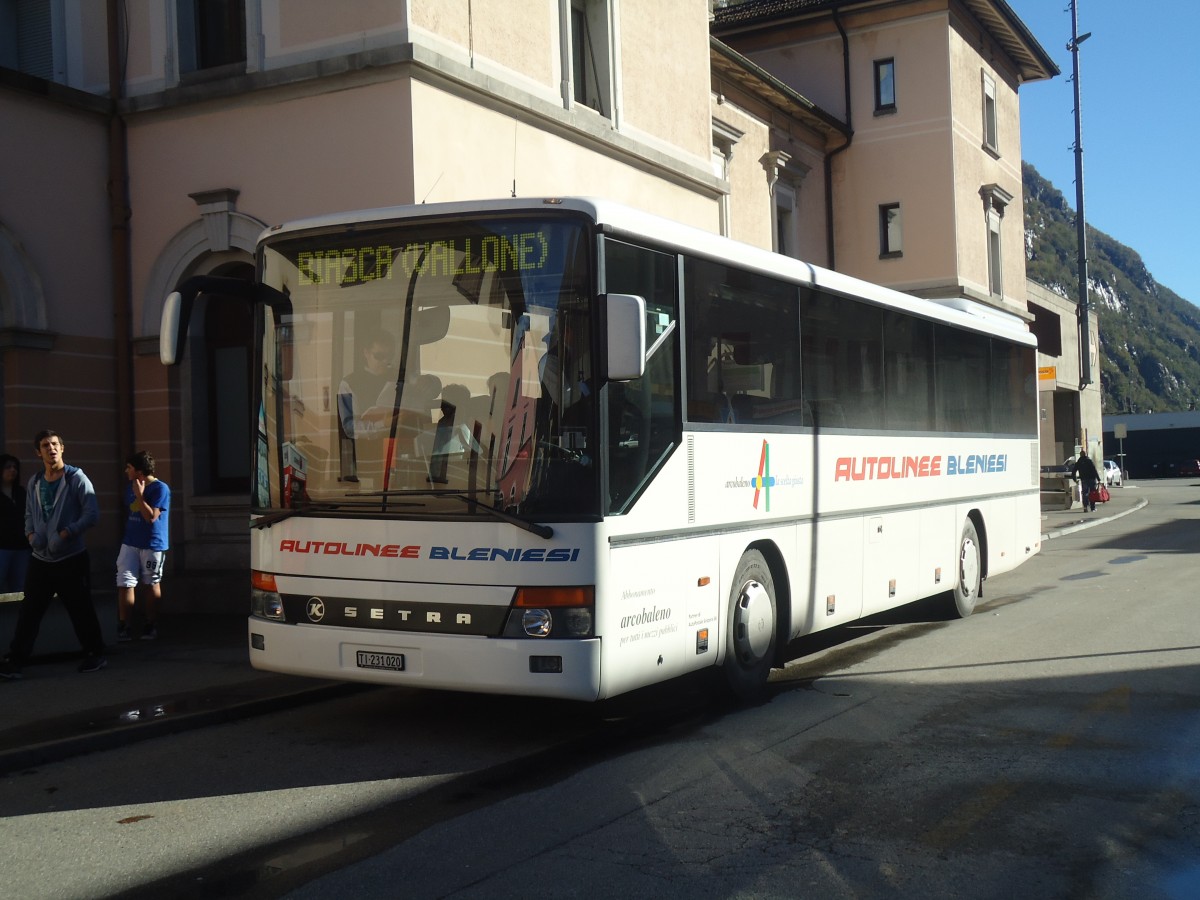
{"x": 926, "y": 196}
{"x": 1070, "y": 414}
{"x": 882, "y": 141}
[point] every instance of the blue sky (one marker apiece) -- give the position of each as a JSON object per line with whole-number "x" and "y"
{"x": 1139, "y": 151}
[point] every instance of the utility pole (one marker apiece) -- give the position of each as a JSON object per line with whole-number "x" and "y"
{"x": 1085, "y": 354}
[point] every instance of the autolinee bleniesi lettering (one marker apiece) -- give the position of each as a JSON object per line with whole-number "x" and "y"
{"x": 505, "y": 554}
{"x": 977, "y": 464}
{"x": 415, "y": 551}
{"x": 344, "y": 548}
{"x": 871, "y": 468}
{"x": 882, "y": 468}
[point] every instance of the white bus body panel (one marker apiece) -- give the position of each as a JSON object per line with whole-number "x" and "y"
{"x": 450, "y": 662}
{"x": 886, "y": 515}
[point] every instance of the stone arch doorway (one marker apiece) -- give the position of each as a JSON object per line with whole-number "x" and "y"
{"x": 214, "y": 443}
{"x": 220, "y": 353}
{"x": 208, "y": 397}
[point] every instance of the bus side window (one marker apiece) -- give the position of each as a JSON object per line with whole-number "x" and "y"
{"x": 643, "y": 417}
{"x": 743, "y": 329}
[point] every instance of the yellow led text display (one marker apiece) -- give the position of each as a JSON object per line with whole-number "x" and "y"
{"x": 521, "y": 252}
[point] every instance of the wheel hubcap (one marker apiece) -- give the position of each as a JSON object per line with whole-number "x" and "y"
{"x": 969, "y": 567}
{"x": 753, "y": 623}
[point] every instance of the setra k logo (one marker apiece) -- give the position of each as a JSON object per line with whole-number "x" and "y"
{"x": 315, "y": 609}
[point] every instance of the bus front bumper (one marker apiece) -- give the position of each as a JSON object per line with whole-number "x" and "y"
{"x": 564, "y": 669}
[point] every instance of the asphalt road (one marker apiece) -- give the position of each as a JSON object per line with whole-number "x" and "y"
{"x": 1045, "y": 747}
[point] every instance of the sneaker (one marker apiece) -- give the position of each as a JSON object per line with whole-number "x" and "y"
{"x": 150, "y": 634}
{"x": 92, "y": 663}
{"x": 9, "y": 670}
{"x": 123, "y": 634}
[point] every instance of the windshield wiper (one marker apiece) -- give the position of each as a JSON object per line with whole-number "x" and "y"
{"x": 268, "y": 519}
{"x": 542, "y": 531}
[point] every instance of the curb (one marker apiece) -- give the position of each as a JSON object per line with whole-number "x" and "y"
{"x": 1091, "y": 523}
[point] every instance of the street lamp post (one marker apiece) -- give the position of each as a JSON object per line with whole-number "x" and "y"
{"x": 1085, "y": 355}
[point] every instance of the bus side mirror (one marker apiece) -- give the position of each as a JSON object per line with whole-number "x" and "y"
{"x": 168, "y": 330}
{"x": 625, "y": 353}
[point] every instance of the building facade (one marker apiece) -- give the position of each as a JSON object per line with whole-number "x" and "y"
{"x": 147, "y": 141}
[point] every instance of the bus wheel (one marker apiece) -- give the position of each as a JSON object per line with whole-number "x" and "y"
{"x": 970, "y": 572}
{"x": 751, "y": 633}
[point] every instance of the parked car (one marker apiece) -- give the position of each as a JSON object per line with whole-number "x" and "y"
{"x": 1189, "y": 468}
{"x": 1112, "y": 473}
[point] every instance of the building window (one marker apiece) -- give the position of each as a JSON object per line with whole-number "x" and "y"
{"x": 212, "y": 33}
{"x": 27, "y": 37}
{"x": 785, "y": 221}
{"x": 724, "y": 139}
{"x": 885, "y": 86}
{"x": 890, "y": 243}
{"x": 991, "y": 140}
{"x": 1047, "y": 328}
{"x": 591, "y": 55}
{"x": 995, "y": 258}
{"x": 995, "y": 201}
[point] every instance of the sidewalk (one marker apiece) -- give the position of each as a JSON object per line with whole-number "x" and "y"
{"x": 198, "y": 673}
{"x": 1060, "y": 522}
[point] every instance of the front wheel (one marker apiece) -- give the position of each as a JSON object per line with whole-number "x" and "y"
{"x": 752, "y": 629}
{"x": 970, "y": 572}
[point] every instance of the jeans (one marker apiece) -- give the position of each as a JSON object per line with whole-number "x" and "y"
{"x": 1088, "y": 487}
{"x": 13, "y": 566}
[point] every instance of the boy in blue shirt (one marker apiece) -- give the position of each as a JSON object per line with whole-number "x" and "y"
{"x": 144, "y": 550}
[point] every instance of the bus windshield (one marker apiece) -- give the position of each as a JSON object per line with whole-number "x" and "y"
{"x": 423, "y": 365}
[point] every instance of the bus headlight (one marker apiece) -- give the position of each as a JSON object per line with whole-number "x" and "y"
{"x": 265, "y": 601}
{"x": 579, "y": 622}
{"x": 537, "y": 622}
{"x": 556, "y": 612}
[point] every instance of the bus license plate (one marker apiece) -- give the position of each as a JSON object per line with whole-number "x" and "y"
{"x": 393, "y": 662}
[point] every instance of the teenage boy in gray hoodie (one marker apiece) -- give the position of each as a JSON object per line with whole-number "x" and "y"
{"x": 60, "y": 505}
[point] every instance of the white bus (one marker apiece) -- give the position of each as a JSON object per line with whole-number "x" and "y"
{"x": 563, "y": 448}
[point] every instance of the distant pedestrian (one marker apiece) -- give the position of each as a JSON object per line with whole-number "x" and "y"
{"x": 1085, "y": 470}
{"x": 14, "y": 548}
{"x": 60, "y": 505}
{"x": 144, "y": 550}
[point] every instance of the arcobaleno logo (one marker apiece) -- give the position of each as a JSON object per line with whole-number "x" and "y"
{"x": 764, "y": 482}
{"x": 646, "y": 616}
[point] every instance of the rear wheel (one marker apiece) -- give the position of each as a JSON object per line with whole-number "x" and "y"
{"x": 970, "y": 572}
{"x": 752, "y": 628}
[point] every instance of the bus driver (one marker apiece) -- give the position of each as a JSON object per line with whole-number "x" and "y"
{"x": 366, "y": 403}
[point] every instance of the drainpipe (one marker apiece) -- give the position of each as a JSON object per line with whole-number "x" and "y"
{"x": 831, "y": 253}
{"x": 119, "y": 215}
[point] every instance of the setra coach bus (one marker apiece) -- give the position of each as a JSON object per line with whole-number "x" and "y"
{"x": 563, "y": 448}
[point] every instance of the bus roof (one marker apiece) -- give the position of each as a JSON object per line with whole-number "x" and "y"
{"x": 633, "y": 223}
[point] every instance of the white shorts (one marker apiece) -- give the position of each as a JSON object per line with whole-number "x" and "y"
{"x": 135, "y": 564}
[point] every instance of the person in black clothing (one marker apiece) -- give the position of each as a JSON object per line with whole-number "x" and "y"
{"x": 1085, "y": 470}
{"x": 14, "y": 547}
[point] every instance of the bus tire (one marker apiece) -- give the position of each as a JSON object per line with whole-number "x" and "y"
{"x": 970, "y": 572}
{"x": 751, "y": 635}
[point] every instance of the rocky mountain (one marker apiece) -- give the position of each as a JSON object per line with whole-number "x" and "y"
{"x": 1149, "y": 335}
